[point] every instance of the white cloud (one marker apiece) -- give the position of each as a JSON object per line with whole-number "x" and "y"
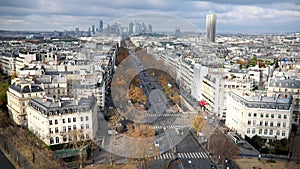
{"x": 248, "y": 15}
{"x": 68, "y": 14}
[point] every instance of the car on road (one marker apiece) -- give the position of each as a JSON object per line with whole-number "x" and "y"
{"x": 156, "y": 144}
{"x": 111, "y": 132}
{"x": 179, "y": 131}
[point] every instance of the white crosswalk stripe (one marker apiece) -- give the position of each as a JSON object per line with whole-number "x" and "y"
{"x": 199, "y": 154}
{"x": 171, "y": 114}
{"x": 188, "y": 155}
{"x": 163, "y": 115}
{"x": 170, "y": 126}
{"x": 194, "y": 154}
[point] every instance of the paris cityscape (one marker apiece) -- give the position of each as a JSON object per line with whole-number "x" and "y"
{"x": 150, "y": 85}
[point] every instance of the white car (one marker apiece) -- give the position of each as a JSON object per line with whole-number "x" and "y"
{"x": 156, "y": 144}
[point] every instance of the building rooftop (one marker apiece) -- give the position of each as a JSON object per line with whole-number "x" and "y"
{"x": 60, "y": 78}
{"x": 278, "y": 101}
{"x": 50, "y": 106}
{"x": 285, "y": 83}
{"x": 24, "y": 86}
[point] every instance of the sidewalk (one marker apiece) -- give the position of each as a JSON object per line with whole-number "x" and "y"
{"x": 250, "y": 163}
{"x": 11, "y": 159}
{"x": 108, "y": 166}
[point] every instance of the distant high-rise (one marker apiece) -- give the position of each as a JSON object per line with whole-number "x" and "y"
{"x": 177, "y": 31}
{"x": 93, "y": 29}
{"x": 77, "y": 31}
{"x": 211, "y": 19}
{"x": 130, "y": 28}
{"x": 100, "y": 26}
{"x": 150, "y": 28}
{"x": 89, "y": 32}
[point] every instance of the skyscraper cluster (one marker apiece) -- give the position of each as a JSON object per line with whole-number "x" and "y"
{"x": 94, "y": 29}
{"x": 137, "y": 28}
{"x": 117, "y": 28}
{"x": 211, "y": 20}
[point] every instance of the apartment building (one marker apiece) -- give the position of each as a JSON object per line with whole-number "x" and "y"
{"x": 267, "y": 117}
{"x": 24, "y": 59}
{"x": 85, "y": 83}
{"x": 54, "y": 85}
{"x": 8, "y": 63}
{"x": 18, "y": 95}
{"x": 63, "y": 121}
{"x": 30, "y": 70}
{"x": 290, "y": 86}
{"x": 215, "y": 87}
{"x": 185, "y": 74}
{"x": 200, "y": 71}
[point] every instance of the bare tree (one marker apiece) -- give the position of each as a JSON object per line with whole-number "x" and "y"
{"x": 222, "y": 147}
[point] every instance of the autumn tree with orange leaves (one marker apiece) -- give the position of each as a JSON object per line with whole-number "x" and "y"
{"x": 136, "y": 95}
{"x": 198, "y": 123}
{"x": 144, "y": 142}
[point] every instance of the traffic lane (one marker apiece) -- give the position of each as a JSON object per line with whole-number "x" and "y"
{"x": 189, "y": 144}
{"x": 198, "y": 163}
{"x": 148, "y": 86}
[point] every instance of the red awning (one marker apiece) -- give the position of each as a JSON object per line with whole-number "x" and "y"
{"x": 202, "y": 103}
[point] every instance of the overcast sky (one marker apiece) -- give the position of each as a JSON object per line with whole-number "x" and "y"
{"x": 244, "y": 16}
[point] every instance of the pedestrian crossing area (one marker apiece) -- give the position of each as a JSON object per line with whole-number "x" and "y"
{"x": 170, "y": 126}
{"x": 163, "y": 115}
{"x": 168, "y": 114}
{"x": 188, "y": 155}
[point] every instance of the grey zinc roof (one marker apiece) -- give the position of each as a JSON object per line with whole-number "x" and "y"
{"x": 49, "y": 107}
{"x": 60, "y": 78}
{"x": 26, "y": 88}
{"x": 285, "y": 83}
{"x": 280, "y": 101}
{"x": 264, "y": 99}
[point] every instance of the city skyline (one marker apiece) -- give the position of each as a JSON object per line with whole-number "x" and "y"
{"x": 233, "y": 16}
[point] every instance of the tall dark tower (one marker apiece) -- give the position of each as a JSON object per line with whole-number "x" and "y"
{"x": 100, "y": 26}
{"x": 150, "y": 28}
{"x": 93, "y": 29}
{"x": 211, "y": 20}
{"x": 130, "y": 28}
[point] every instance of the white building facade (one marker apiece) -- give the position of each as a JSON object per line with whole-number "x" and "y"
{"x": 18, "y": 95}
{"x": 60, "y": 122}
{"x": 267, "y": 117}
